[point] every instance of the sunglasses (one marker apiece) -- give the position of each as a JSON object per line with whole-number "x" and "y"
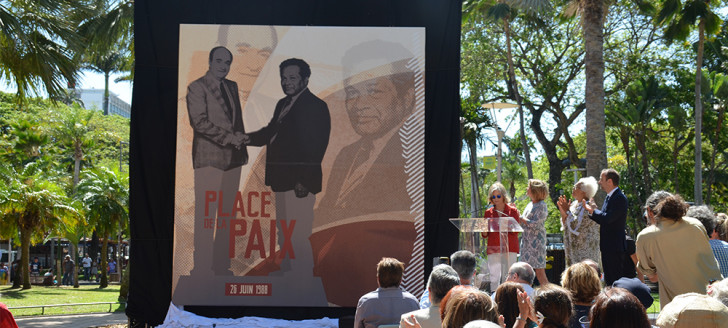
{"x": 495, "y": 196}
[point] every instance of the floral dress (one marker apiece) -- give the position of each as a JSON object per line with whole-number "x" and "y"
{"x": 581, "y": 235}
{"x": 533, "y": 241}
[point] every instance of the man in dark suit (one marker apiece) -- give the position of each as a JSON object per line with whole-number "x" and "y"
{"x": 218, "y": 154}
{"x": 612, "y": 223}
{"x": 296, "y": 140}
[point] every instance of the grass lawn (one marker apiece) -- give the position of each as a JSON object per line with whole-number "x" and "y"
{"x": 655, "y": 308}
{"x": 39, "y": 295}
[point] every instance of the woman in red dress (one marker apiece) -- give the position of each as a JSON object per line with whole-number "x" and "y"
{"x": 498, "y": 197}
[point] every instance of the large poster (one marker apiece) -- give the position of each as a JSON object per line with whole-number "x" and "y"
{"x": 299, "y": 163}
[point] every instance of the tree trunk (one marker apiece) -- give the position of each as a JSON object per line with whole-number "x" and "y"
{"x": 74, "y": 253}
{"x": 517, "y": 94}
{"x": 94, "y": 248}
{"x": 106, "y": 93}
{"x": 104, "y": 262}
{"x": 593, "y": 31}
{"x": 698, "y": 183}
{"x": 24, "y": 256}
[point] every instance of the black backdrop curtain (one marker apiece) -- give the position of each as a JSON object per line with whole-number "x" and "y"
{"x": 154, "y": 117}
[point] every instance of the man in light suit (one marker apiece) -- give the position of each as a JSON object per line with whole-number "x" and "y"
{"x": 218, "y": 154}
{"x": 442, "y": 278}
{"x": 296, "y": 140}
{"x": 612, "y": 220}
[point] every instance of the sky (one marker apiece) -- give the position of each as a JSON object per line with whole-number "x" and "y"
{"x": 92, "y": 80}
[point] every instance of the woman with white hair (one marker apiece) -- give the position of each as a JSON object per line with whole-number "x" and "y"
{"x": 581, "y": 235}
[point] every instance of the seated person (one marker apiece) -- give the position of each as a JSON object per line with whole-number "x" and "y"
{"x": 467, "y": 304}
{"x": 463, "y": 262}
{"x": 554, "y": 304}
{"x": 582, "y": 281}
{"x": 693, "y": 310}
{"x": 719, "y": 291}
{"x": 442, "y": 279}
{"x": 617, "y": 307}
{"x": 385, "y": 305}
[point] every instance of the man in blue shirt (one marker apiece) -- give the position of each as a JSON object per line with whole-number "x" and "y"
{"x": 464, "y": 264}
{"x": 720, "y": 248}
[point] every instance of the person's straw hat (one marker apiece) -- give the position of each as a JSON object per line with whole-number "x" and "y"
{"x": 693, "y": 310}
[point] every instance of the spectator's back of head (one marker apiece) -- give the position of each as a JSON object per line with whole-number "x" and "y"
{"x": 555, "y": 304}
{"x": 719, "y": 291}
{"x": 442, "y": 278}
{"x": 617, "y": 307}
{"x": 524, "y": 271}
{"x": 464, "y": 264}
{"x": 721, "y": 225}
{"x": 693, "y": 310}
{"x": 705, "y": 215}
{"x": 582, "y": 281}
{"x": 506, "y": 297}
{"x": 594, "y": 266}
{"x": 389, "y": 272}
{"x": 671, "y": 208}
{"x": 468, "y": 304}
{"x": 481, "y": 324}
{"x": 654, "y": 199}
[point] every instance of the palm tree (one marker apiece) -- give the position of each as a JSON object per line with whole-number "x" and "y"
{"x": 36, "y": 42}
{"x": 75, "y": 131}
{"x": 31, "y": 203}
{"x": 592, "y": 22}
{"x": 106, "y": 196}
{"x": 109, "y": 34}
{"x": 106, "y": 63}
{"x": 679, "y": 18}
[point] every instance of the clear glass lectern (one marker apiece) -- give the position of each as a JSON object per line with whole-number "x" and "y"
{"x": 470, "y": 239}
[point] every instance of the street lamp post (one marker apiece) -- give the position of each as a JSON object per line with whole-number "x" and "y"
{"x": 500, "y": 133}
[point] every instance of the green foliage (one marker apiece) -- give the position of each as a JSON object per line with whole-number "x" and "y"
{"x": 37, "y": 44}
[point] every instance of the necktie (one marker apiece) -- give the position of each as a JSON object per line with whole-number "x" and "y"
{"x": 226, "y": 98}
{"x": 286, "y": 108}
{"x": 604, "y": 207}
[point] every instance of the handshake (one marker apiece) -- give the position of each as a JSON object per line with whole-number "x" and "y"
{"x": 240, "y": 140}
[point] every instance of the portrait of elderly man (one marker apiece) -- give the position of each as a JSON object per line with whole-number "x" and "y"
{"x": 368, "y": 176}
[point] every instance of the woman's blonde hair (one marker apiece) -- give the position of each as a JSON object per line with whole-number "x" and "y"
{"x": 582, "y": 281}
{"x": 502, "y": 189}
{"x": 467, "y": 305}
{"x": 539, "y": 189}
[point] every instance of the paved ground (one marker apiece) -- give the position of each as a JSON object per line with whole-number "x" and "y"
{"x": 73, "y": 321}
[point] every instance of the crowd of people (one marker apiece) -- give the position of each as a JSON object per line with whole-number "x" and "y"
{"x": 89, "y": 270}
{"x": 683, "y": 249}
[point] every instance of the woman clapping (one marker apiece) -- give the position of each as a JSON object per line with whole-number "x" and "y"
{"x": 581, "y": 235}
